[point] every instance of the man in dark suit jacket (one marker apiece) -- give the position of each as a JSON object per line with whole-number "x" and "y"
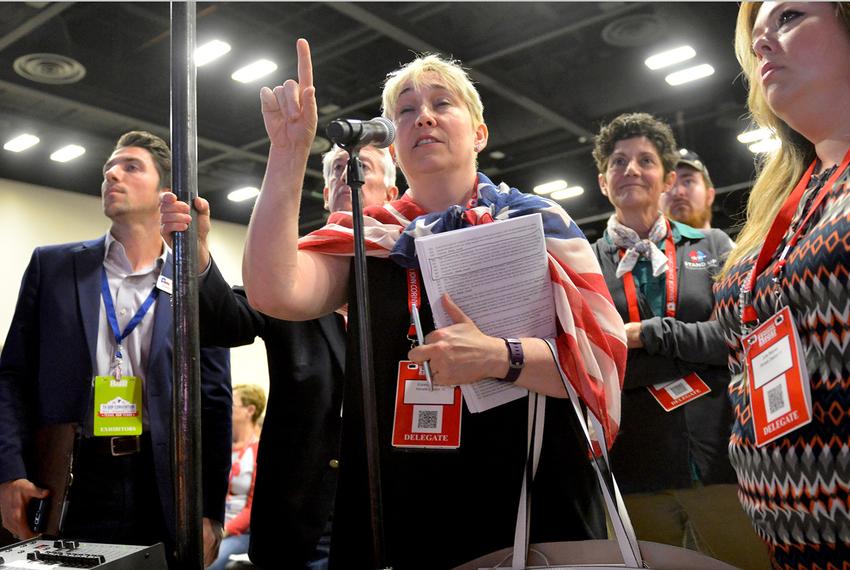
{"x": 299, "y": 443}
{"x": 54, "y": 348}
{"x": 297, "y": 459}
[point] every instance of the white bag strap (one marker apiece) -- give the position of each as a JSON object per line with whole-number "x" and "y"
{"x": 536, "y": 420}
{"x": 623, "y": 530}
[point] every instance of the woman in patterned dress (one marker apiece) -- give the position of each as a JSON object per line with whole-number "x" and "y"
{"x": 796, "y": 489}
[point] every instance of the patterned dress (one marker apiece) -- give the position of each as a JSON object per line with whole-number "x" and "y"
{"x": 796, "y": 489}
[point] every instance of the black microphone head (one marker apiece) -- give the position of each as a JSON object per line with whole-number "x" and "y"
{"x": 389, "y": 137}
{"x": 341, "y": 132}
{"x": 378, "y": 132}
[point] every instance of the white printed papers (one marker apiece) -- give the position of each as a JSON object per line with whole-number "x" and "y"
{"x": 498, "y": 274}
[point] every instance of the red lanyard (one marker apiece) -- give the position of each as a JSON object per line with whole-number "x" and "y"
{"x": 414, "y": 290}
{"x": 670, "y": 279}
{"x": 778, "y": 229}
{"x": 414, "y": 297}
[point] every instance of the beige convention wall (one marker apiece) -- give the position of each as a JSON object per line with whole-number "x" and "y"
{"x": 31, "y": 216}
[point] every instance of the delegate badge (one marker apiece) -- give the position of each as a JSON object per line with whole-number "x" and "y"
{"x": 676, "y": 393}
{"x": 117, "y": 406}
{"x": 425, "y": 418}
{"x": 778, "y": 382}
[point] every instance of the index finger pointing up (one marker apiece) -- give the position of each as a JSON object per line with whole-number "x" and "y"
{"x": 305, "y": 64}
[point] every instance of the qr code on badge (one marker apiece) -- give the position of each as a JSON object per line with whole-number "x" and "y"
{"x": 678, "y": 388}
{"x": 427, "y": 419}
{"x": 776, "y": 401}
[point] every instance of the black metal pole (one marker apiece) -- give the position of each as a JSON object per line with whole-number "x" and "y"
{"x": 186, "y": 424}
{"x": 367, "y": 369}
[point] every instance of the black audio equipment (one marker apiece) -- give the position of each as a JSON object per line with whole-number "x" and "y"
{"x": 37, "y": 553}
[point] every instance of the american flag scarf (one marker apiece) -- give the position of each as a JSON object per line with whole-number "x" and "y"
{"x": 591, "y": 338}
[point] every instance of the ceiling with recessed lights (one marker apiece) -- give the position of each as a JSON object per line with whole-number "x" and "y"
{"x": 549, "y": 74}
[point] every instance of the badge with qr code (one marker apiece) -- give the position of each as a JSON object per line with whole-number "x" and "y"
{"x": 677, "y": 393}
{"x": 778, "y": 382}
{"x": 425, "y": 418}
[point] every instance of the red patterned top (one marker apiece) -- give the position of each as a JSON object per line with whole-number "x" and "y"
{"x": 796, "y": 489}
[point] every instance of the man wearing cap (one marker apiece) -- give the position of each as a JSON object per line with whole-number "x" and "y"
{"x": 690, "y": 199}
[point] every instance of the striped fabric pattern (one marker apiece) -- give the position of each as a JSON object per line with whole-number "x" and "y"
{"x": 591, "y": 337}
{"x": 796, "y": 489}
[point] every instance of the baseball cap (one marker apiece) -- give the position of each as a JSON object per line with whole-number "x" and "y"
{"x": 692, "y": 159}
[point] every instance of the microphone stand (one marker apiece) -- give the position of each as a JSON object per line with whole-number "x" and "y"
{"x": 186, "y": 391}
{"x": 367, "y": 369}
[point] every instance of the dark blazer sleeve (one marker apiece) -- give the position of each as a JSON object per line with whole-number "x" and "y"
{"x": 644, "y": 369}
{"x": 226, "y": 318}
{"x": 696, "y": 343}
{"x": 216, "y": 418}
{"x": 18, "y": 373}
{"x": 699, "y": 342}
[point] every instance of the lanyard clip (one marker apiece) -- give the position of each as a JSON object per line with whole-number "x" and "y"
{"x": 777, "y": 293}
{"x": 749, "y": 317}
{"x": 746, "y": 297}
{"x": 411, "y": 333}
{"x": 117, "y": 361}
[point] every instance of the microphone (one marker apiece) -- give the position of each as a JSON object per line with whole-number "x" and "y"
{"x": 379, "y": 132}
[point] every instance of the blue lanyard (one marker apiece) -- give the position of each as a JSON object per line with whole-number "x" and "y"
{"x": 113, "y": 319}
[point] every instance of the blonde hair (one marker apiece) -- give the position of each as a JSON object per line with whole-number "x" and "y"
{"x": 449, "y": 70}
{"x": 780, "y": 171}
{"x": 252, "y": 394}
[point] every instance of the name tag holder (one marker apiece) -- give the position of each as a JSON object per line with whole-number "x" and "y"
{"x": 778, "y": 382}
{"x": 677, "y": 393}
{"x": 425, "y": 418}
{"x": 117, "y": 406}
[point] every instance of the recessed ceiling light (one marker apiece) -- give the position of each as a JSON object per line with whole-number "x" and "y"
{"x": 254, "y": 71}
{"x": 670, "y": 57}
{"x": 550, "y": 187}
{"x": 765, "y": 145}
{"x": 570, "y": 192}
{"x": 497, "y": 155}
{"x": 748, "y": 137}
{"x": 242, "y": 194}
{"x": 210, "y": 51}
{"x": 21, "y": 142}
{"x": 67, "y": 153}
{"x": 689, "y": 74}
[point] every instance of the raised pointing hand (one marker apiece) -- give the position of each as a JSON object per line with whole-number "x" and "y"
{"x": 289, "y": 110}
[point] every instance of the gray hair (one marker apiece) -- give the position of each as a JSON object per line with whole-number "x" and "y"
{"x": 389, "y": 166}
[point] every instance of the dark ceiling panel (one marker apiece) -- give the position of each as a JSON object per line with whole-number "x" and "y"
{"x": 549, "y": 75}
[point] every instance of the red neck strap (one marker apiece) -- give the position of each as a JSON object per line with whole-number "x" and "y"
{"x": 414, "y": 297}
{"x": 670, "y": 281}
{"x": 780, "y": 226}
